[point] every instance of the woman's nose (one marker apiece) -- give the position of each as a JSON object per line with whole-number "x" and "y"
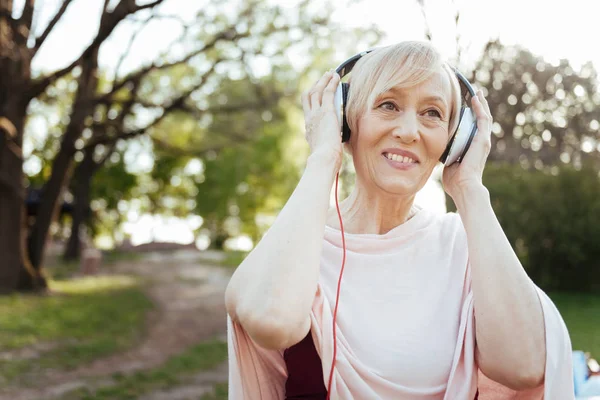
{"x": 407, "y": 127}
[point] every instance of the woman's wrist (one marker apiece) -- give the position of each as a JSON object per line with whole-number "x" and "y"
{"x": 325, "y": 161}
{"x": 471, "y": 195}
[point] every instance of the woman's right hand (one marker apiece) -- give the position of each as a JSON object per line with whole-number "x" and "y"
{"x": 323, "y": 132}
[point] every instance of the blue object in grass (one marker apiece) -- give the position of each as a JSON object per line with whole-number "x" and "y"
{"x": 580, "y": 370}
{"x": 590, "y": 389}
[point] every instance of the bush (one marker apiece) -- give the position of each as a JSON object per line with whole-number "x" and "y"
{"x": 552, "y": 222}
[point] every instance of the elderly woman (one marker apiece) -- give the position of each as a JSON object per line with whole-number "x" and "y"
{"x": 431, "y": 305}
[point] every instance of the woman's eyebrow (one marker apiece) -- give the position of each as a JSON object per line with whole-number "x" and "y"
{"x": 435, "y": 99}
{"x": 400, "y": 93}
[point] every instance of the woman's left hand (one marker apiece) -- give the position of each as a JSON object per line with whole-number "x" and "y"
{"x": 468, "y": 174}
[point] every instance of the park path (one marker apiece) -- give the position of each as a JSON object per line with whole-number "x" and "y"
{"x": 189, "y": 308}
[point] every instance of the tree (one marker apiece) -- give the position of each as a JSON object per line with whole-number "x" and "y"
{"x": 545, "y": 114}
{"x": 240, "y": 181}
{"x": 232, "y": 134}
{"x": 111, "y": 112}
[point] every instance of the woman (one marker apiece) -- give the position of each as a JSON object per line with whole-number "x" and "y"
{"x": 415, "y": 282}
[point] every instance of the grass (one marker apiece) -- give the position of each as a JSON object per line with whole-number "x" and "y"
{"x": 233, "y": 258}
{"x": 220, "y": 393}
{"x": 63, "y": 270}
{"x": 82, "y": 320}
{"x": 175, "y": 371}
{"x": 111, "y": 257}
{"x": 581, "y": 312}
{"x": 58, "y": 269}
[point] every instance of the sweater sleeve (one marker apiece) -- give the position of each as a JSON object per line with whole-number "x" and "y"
{"x": 254, "y": 372}
{"x": 558, "y": 382}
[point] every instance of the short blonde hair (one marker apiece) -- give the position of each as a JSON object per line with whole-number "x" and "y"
{"x": 402, "y": 65}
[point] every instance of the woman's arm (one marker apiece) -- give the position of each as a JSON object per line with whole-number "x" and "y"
{"x": 272, "y": 291}
{"x": 509, "y": 320}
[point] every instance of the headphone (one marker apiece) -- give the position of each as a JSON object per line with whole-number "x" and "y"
{"x": 461, "y": 138}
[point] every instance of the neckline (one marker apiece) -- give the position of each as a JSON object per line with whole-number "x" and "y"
{"x": 414, "y": 222}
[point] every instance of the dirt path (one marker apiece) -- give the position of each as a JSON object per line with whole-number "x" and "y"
{"x": 189, "y": 308}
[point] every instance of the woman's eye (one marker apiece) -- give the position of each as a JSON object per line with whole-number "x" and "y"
{"x": 388, "y": 105}
{"x": 434, "y": 113}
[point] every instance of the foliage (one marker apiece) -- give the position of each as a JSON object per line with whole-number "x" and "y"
{"x": 546, "y": 114}
{"x": 82, "y": 320}
{"x": 551, "y": 222}
{"x": 111, "y": 186}
{"x": 581, "y": 312}
{"x": 241, "y": 180}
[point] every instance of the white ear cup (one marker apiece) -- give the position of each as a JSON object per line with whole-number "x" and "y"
{"x": 338, "y": 104}
{"x": 462, "y": 139}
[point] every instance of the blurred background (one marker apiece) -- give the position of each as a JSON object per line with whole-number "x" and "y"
{"x": 146, "y": 146}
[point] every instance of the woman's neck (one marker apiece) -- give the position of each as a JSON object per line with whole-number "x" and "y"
{"x": 365, "y": 212}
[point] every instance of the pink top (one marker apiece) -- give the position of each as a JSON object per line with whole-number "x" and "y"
{"x": 405, "y": 324}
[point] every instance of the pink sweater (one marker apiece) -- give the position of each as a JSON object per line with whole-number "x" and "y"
{"x": 405, "y": 324}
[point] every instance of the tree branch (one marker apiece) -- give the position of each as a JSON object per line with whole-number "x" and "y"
{"x": 178, "y": 103}
{"x": 428, "y": 34}
{"x": 178, "y": 151}
{"x": 109, "y": 151}
{"x": 6, "y": 14}
{"x": 227, "y": 34}
{"x": 129, "y": 45}
{"x": 27, "y": 17}
{"x": 149, "y": 5}
{"x": 108, "y": 23}
{"x": 61, "y": 11}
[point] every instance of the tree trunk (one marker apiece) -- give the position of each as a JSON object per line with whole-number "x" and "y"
{"x": 62, "y": 164}
{"x": 217, "y": 234}
{"x": 15, "y": 64}
{"x": 11, "y": 210}
{"x": 81, "y": 197}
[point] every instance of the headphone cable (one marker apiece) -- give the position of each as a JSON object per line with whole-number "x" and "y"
{"x": 337, "y": 298}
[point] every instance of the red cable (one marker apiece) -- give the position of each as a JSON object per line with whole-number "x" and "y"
{"x": 337, "y": 298}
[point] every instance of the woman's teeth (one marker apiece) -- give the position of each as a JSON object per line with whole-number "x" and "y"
{"x": 399, "y": 158}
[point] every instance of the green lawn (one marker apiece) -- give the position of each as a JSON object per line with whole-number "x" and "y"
{"x": 581, "y": 312}
{"x": 87, "y": 318}
{"x": 175, "y": 371}
{"x": 219, "y": 394}
{"x": 232, "y": 259}
{"x": 81, "y": 320}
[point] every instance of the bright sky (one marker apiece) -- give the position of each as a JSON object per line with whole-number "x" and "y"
{"x": 553, "y": 29}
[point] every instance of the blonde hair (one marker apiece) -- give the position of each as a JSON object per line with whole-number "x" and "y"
{"x": 402, "y": 65}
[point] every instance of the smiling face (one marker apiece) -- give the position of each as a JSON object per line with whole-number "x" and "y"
{"x": 400, "y": 139}
{"x": 402, "y": 108}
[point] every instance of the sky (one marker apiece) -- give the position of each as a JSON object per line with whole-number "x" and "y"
{"x": 552, "y": 29}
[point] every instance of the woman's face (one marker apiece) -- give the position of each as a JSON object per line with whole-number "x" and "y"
{"x": 402, "y": 137}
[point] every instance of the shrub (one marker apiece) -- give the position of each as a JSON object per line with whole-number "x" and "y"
{"x": 552, "y": 221}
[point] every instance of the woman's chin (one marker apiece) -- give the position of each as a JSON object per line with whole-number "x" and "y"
{"x": 400, "y": 185}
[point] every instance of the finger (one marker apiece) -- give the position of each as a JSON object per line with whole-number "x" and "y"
{"x": 484, "y": 103}
{"x": 317, "y": 90}
{"x": 305, "y": 103}
{"x": 329, "y": 91}
{"x": 477, "y": 106}
{"x": 483, "y": 120}
{"x": 486, "y": 106}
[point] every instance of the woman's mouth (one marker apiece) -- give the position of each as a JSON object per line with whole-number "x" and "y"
{"x": 399, "y": 162}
